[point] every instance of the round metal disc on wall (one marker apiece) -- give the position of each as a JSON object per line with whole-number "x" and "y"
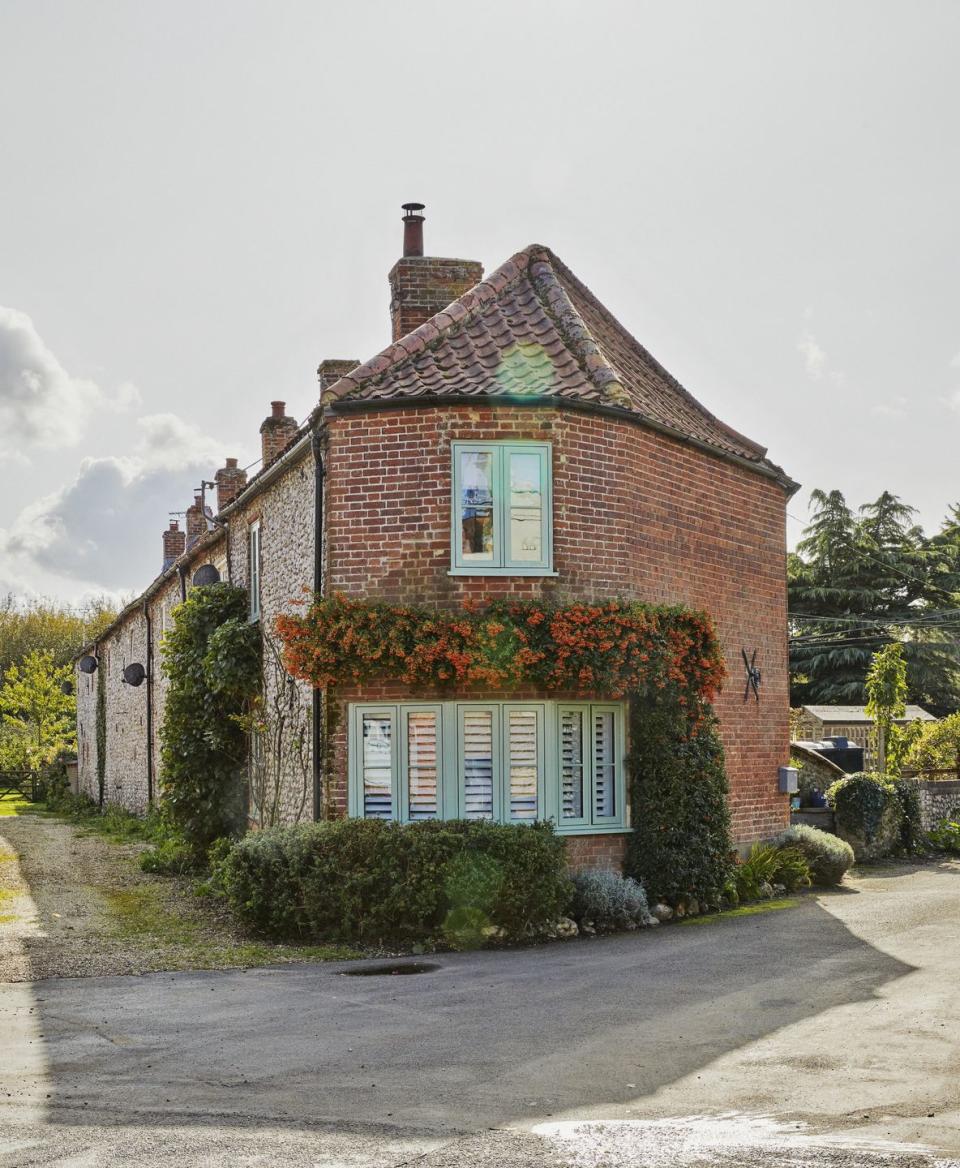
{"x": 206, "y": 574}
{"x": 134, "y": 674}
{"x": 88, "y": 664}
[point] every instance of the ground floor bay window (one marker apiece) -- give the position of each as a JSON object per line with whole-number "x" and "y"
{"x": 507, "y": 762}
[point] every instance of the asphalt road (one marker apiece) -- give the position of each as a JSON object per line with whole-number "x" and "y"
{"x": 821, "y": 1035}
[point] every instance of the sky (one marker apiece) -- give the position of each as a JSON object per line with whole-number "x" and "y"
{"x": 199, "y": 201}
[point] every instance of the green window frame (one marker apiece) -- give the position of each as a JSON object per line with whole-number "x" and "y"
{"x": 253, "y": 569}
{"x": 503, "y": 762}
{"x": 511, "y": 523}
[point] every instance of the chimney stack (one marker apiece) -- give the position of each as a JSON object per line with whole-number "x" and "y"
{"x": 421, "y": 286}
{"x": 174, "y": 544}
{"x": 196, "y": 521}
{"x": 230, "y": 480}
{"x": 276, "y": 431}
{"x": 330, "y": 371}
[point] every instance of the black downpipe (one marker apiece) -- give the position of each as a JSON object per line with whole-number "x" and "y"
{"x": 149, "y": 624}
{"x": 317, "y": 744}
{"x": 182, "y": 571}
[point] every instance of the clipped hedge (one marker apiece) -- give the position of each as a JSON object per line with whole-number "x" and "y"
{"x": 373, "y": 881}
{"x": 829, "y": 856}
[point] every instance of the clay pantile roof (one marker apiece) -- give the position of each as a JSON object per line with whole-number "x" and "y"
{"x": 531, "y": 329}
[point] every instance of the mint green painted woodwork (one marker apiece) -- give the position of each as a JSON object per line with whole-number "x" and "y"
{"x": 502, "y": 509}
{"x": 506, "y": 762}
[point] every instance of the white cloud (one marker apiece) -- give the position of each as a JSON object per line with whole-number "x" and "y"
{"x": 40, "y": 403}
{"x": 816, "y": 360}
{"x": 896, "y": 407}
{"x": 104, "y": 528}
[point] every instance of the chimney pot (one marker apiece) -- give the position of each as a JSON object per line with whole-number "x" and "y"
{"x": 421, "y": 286}
{"x": 276, "y": 431}
{"x": 230, "y": 480}
{"x": 174, "y": 544}
{"x": 413, "y": 229}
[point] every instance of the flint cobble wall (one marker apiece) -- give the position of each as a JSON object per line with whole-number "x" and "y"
{"x": 285, "y": 512}
{"x": 939, "y": 800}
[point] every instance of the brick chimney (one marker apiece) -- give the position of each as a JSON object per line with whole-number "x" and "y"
{"x": 174, "y": 543}
{"x": 230, "y": 480}
{"x": 276, "y": 431}
{"x": 196, "y": 521}
{"x": 329, "y": 372}
{"x": 420, "y": 286}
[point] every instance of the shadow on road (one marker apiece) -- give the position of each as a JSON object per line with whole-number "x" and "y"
{"x": 487, "y": 1039}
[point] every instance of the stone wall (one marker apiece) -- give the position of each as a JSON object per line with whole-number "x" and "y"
{"x": 939, "y": 799}
{"x": 636, "y": 515}
{"x": 284, "y": 510}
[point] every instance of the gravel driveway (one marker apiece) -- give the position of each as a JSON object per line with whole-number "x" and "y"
{"x": 73, "y": 904}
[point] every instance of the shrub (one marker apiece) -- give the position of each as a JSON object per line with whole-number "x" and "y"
{"x": 607, "y": 900}
{"x": 828, "y": 856}
{"x": 945, "y": 836}
{"x": 680, "y": 846}
{"x": 868, "y": 814}
{"x": 793, "y": 869}
{"x": 757, "y": 870}
{"x": 373, "y": 881}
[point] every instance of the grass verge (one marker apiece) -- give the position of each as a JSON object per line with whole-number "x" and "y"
{"x": 746, "y": 910}
{"x": 12, "y": 804}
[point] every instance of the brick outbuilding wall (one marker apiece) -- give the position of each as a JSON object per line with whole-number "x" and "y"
{"x": 637, "y": 515}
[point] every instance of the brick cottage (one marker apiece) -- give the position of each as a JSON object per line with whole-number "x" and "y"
{"x": 513, "y": 441}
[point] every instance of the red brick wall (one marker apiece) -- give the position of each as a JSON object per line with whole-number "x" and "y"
{"x": 637, "y": 515}
{"x": 421, "y": 286}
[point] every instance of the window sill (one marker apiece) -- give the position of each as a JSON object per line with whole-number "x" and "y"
{"x": 587, "y": 829}
{"x": 502, "y": 572}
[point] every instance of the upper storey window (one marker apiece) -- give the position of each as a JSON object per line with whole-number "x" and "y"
{"x": 502, "y": 509}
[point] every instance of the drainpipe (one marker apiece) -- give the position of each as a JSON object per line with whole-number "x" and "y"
{"x": 149, "y": 663}
{"x": 182, "y": 572}
{"x": 317, "y": 744}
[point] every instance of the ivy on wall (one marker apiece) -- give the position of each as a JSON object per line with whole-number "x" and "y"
{"x": 666, "y": 660}
{"x": 212, "y": 659}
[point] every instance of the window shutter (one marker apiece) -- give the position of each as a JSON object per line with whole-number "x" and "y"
{"x": 377, "y": 766}
{"x": 478, "y": 740}
{"x": 523, "y": 754}
{"x": 571, "y": 764}
{"x": 423, "y": 764}
{"x": 604, "y": 765}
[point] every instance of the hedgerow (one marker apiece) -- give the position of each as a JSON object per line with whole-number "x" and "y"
{"x": 372, "y": 881}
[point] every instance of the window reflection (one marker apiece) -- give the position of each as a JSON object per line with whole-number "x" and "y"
{"x": 476, "y": 506}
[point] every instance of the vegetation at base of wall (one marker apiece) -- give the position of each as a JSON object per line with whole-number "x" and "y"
{"x": 680, "y": 846}
{"x": 610, "y": 649}
{"x": 767, "y": 866}
{"x": 606, "y": 901}
{"x": 945, "y": 837}
{"x": 828, "y": 856}
{"x": 212, "y": 659}
{"x": 457, "y": 881}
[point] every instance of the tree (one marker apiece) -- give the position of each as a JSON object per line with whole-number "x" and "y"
{"x": 937, "y": 748}
{"x": 886, "y": 696}
{"x": 39, "y": 719}
{"x": 860, "y": 582}
{"x": 47, "y": 625}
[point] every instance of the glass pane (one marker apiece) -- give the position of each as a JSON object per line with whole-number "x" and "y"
{"x": 526, "y": 508}
{"x": 571, "y": 764}
{"x": 478, "y": 764}
{"x": 522, "y": 763}
{"x": 422, "y": 764}
{"x": 376, "y": 762}
{"x": 476, "y": 507}
{"x": 604, "y": 765}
